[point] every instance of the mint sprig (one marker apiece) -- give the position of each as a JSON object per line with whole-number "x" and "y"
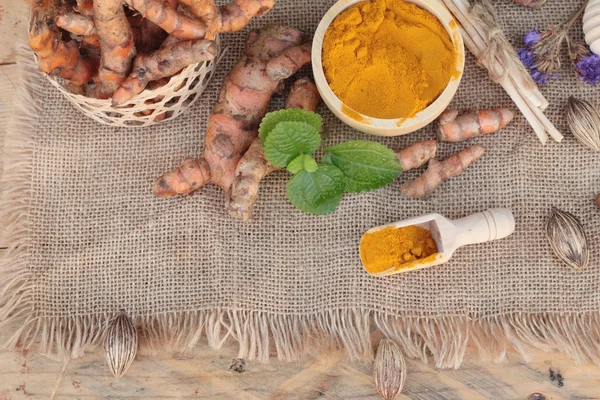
{"x": 366, "y": 165}
{"x": 290, "y": 137}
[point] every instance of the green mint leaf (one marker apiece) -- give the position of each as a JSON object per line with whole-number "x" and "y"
{"x": 365, "y": 165}
{"x": 271, "y": 120}
{"x": 317, "y": 192}
{"x": 288, "y": 140}
{"x": 303, "y": 162}
{"x": 310, "y": 165}
{"x": 296, "y": 165}
{"x": 326, "y": 159}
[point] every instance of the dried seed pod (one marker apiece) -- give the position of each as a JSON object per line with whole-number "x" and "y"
{"x": 120, "y": 344}
{"x": 567, "y": 239}
{"x": 584, "y": 122}
{"x": 598, "y": 200}
{"x": 389, "y": 370}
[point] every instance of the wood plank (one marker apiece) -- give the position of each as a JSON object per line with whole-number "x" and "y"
{"x": 14, "y": 18}
{"x": 8, "y": 80}
{"x": 205, "y": 373}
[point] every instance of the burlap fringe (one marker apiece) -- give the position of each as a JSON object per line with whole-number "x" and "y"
{"x": 441, "y": 339}
{"x": 260, "y": 336}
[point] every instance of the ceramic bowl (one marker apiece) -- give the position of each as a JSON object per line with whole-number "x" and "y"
{"x": 388, "y": 127}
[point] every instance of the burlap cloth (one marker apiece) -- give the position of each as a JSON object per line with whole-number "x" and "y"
{"x": 88, "y": 238}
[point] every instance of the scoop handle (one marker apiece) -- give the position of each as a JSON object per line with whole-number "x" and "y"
{"x": 485, "y": 226}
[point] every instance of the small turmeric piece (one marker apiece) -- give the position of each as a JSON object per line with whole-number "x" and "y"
{"x": 76, "y": 23}
{"x": 417, "y": 155}
{"x": 396, "y": 248}
{"x": 60, "y": 57}
{"x": 439, "y": 172}
{"x": 455, "y": 127}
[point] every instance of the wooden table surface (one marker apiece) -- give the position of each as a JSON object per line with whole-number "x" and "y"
{"x": 205, "y": 373}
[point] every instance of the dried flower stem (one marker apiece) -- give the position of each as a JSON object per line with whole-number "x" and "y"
{"x": 548, "y": 48}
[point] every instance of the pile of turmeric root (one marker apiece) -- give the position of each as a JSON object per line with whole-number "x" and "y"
{"x": 112, "y": 49}
{"x": 234, "y": 157}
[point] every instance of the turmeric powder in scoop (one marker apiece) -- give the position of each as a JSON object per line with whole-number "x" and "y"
{"x": 387, "y": 58}
{"x": 397, "y": 248}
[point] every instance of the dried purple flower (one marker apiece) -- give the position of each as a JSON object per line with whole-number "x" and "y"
{"x": 541, "y": 54}
{"x": 540, "y": 78}
{"x": 531, "y": 37}
{"x": 588, "y": 69}
{"x": 527, "y": 57}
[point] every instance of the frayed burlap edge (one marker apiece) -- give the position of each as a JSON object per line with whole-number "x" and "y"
{"x": 442, "y": 339}
{"x": 16, "y": 297}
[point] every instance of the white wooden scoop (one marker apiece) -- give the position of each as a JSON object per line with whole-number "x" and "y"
{"x": 450, "y": 235}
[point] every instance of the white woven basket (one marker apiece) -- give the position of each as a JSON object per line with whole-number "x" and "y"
{"x": 151, "y": 106}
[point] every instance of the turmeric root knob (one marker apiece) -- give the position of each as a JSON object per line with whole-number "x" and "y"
{"x": 456, "y": 128}
{"x": 190, "y": 176}
{"x": 304, "y": 95}
{"x": 54, "y": 55}
{"x": 116, "y": 44}
{"x": 162, "y": 63}
{"x": 417, "y": 154}
{"x": 76, "y": 23}
{"x": 253, "y": 165}
{"x": 163, "y": 15}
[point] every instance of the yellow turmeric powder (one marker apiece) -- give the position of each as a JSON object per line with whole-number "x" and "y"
{"x": 396, "y": 248}
{"x": 387, "y": 58}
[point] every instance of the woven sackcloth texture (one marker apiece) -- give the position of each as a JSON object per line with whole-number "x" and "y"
{"x": 88, "y": 238}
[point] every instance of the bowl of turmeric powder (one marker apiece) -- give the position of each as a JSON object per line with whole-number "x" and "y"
{"x": 387, "y": 67}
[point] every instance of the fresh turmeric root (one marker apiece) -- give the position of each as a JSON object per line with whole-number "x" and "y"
{"x": 237, "y": 14}
{"x": 456, "y": 128}
{"x": 289, "y": 59}
{"x": 233, "y": 123}
{"x": 85, "y": 7}
{"x": 116, "y": 44}
{"x": 417, "y": 155}
{"x": 206, "y": 11}
{"x": 77, "y": 24}
{"x": 228, "y": 18}
{"x": 54, "y": 55}
{"x": 91, "y": 41}
{"x": 253, "y": 166}
{"x": 161, "y": 64}
{"x": 439, "y": 172}
{"x": 162, "y": 14}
